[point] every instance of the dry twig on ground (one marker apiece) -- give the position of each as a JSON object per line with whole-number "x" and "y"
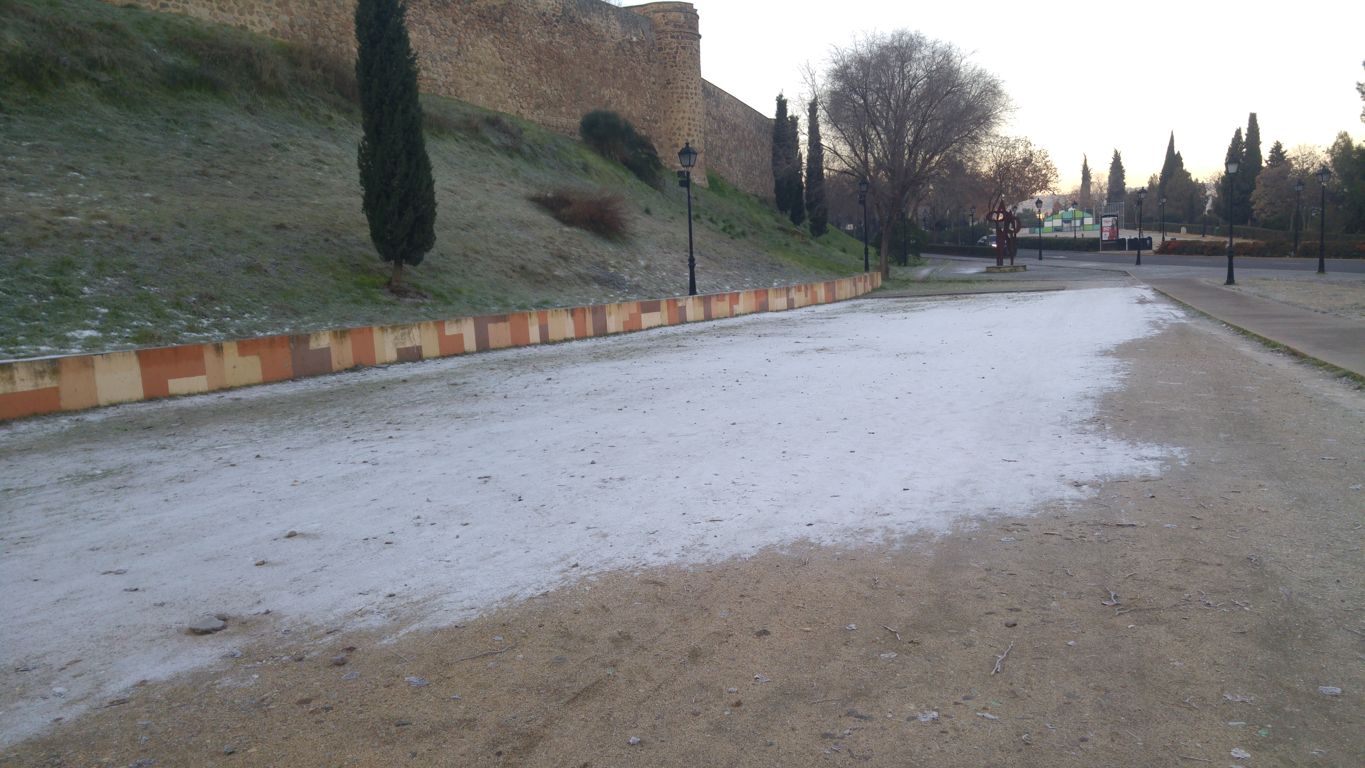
{"x": 1000, "y": 660}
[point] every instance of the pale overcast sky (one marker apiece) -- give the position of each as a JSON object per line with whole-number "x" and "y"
{"x": 1088, "y": 78}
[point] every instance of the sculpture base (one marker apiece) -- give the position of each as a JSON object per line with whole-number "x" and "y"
{"x": 1008, "y": 268}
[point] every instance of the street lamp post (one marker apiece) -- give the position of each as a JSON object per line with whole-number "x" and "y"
{"x": 1074, "y": 233}
{"x": 862, "y": 200}
{"x": 971, "y": 226}
{"x": 1141, "y": 195}
{"x": 1038, "y": 205}
{"x": 1014, "y": 211}
{"x": 1298, "y": 213}
{"x": 1162, "y": 205}
{"x": 1231, "y": 171}
{"x": 687, "y": 158}
{"x": 1323, "y": 176}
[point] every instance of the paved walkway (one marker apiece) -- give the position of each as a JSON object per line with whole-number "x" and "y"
{"x": 1338, "y": 341}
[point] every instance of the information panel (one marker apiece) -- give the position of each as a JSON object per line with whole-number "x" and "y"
{"x": 1109, "y": 228}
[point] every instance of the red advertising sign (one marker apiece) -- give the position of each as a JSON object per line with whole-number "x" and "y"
{"x": 1109, "y": 228}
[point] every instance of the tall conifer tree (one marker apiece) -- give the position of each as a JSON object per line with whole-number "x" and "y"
{"x": 1085, "y": 182}
{"x": 1116, "y": 189}
{"x": 1167, "y": 166}
{"x": 816, "y": 207}
{"x": 1236, "y": 152}
{"x": 780, "y": 128}
{"x": 1251, "y": 169}
{"x": 395, "y": 172}
{"x": 1276, "y": 156}
{"x": 796, "y": 202}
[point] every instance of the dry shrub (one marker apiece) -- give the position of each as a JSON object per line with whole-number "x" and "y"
{"x": 599, "y": 212}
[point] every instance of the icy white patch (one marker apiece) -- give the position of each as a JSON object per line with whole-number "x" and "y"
{"x": 455, "y": 484}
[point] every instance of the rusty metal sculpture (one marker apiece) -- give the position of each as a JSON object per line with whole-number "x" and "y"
{"x": 1006, "y": 233}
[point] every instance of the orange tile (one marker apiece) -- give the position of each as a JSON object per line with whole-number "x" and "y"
{"x": 581, "y": 323}
{"x": 521, "y": 328}
{"x": 362, "y": 345}
{"x": 160, "y": 366}
{"x": 274, "y": 354}
{"x": 14, "y": 405}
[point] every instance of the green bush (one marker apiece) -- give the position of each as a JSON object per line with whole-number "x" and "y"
{"x": 613, "y": 137}
{"x": 1091, "y": 243}
{"x": 596, "y": 212}
{"x": 1335, "y": 249}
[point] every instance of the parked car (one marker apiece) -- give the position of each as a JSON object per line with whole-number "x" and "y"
{"x": 988, "y": 240}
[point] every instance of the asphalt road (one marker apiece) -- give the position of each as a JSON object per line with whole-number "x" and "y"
{"x": 1128, "y": 258}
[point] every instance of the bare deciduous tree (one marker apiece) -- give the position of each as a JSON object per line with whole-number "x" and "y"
{"x": 899, "y": 110}
{"x": 1014, "y": 169}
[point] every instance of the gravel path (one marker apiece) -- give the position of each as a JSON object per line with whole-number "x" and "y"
{"x": 1191, "y": 593}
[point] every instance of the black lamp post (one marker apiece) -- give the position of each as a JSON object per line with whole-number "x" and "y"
{"x": 1231, "y": 171}
{"x": 1323, "y": 176}
{"x": 1141, "y": 195}
{"x": 1074, "y": 233}
{"x": 1038, "y": 205}
{"x": 971, "y": 226}
{"x": 862, "y": 200}
{"x": 687, "y": 158}
{"x": 1162, "y": 205}
{"x": 1298, "y": 213}
{"x": 1014, "y": 211}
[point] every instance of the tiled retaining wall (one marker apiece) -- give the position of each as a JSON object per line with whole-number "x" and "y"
{"x": 77, "y": 382}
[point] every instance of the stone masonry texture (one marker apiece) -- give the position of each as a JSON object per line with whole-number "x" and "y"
{"x": 547, "y": 61}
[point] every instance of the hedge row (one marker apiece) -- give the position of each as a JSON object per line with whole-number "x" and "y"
{"x": 1273, "y": 248}
{"x": 1083, "y": 243}
{"x": 1026, "y": 247}
{"x": 1219, "y": 229}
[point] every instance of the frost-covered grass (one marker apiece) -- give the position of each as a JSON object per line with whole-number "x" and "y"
{"x": 166, "y": 181}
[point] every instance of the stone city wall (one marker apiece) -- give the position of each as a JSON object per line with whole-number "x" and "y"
{"x": 548, "y": 61}
{"x": 740, "y": 141}
{"x": 76, "y": 382}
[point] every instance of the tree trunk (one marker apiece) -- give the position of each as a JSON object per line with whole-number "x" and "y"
{"x": 396, "y": 276}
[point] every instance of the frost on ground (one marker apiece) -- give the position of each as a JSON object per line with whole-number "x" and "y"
{"x": 429, "y": 492}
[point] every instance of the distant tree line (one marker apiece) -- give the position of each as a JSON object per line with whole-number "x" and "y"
{"x": 912, "y": 118}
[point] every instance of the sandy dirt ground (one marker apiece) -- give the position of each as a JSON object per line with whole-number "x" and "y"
{"x": 1308, "y": 291}
{"x": 1210, "y": 616}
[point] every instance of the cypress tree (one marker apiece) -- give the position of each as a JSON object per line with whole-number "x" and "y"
{"x": 1251, "y": 157}
{"x": 780, "y": 155}
{"x": 1237, "y": 152}
{"x": 1236, "y": 149}
{"x": 816, "y": 207}
{"x": 1116, "y": 189}
{"x": 1085, "y": 182}
{"x": 395, "y": 172}
{"x": 1167, "y": 166}
{"x": 796, "y": 204}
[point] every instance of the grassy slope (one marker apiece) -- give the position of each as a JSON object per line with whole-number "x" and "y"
{"x": 164, "y": 181}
